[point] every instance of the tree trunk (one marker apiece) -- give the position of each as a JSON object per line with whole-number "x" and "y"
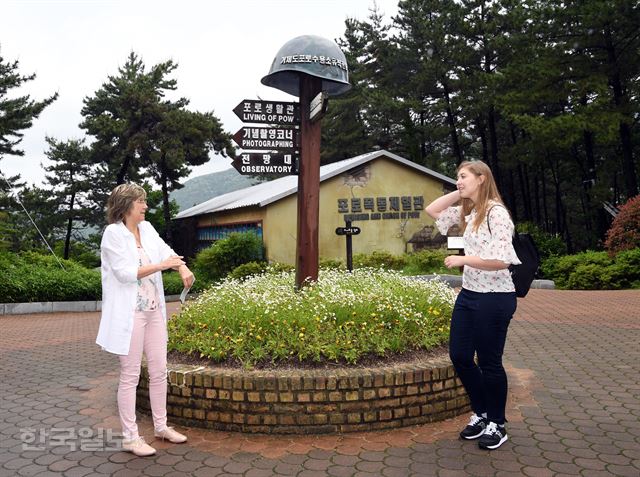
{"x": 166, "y": 211}
{"x": 526, "y": 200}
{"x": 511, "y": 198}
{"x": 544, "y": 199}
{"x": 483, "y": 139}
{"x": 423, "y": 141}
{"x": 67, "y": 240}
{"x": 451, "y": 120}
{"x": 493, "y": 141}
{"x": 122, "y": 173}
{"x": 621, "y": 101}
{"x": 536, "y": 193}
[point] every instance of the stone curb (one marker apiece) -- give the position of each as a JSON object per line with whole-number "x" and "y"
{"x": 58, "y": 306}
{"x": 89, "y": 306}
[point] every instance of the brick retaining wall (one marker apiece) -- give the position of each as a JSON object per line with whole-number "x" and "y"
{"x": 311, "y": 402}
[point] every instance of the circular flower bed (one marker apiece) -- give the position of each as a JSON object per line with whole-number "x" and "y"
{"x": 342, "y": 318}
{"x": 351, "y": 352}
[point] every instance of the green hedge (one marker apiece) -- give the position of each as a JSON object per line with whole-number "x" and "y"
{"x": 29, "y": 277}
{"x": 32, "y": 277}
{"x": 594, "y": 270}
{"x": 216, "y": 262}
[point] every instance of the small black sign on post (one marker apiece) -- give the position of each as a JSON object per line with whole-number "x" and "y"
{"x": 348, "y": 231}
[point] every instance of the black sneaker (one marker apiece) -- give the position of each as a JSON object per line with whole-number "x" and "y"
{"x": 494, "y": 436}
{"x": 475, "y": 428}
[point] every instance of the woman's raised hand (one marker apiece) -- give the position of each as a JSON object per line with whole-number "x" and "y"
{"x": 174, "y": 261}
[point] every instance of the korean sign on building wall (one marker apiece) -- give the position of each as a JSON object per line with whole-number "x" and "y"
{"x": 381, "y": 208}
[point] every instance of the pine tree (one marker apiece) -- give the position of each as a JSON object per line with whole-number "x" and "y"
{"x": 123, "y": 114}
{"x": 16, "y": 114}
{"x": 70, "y": 179}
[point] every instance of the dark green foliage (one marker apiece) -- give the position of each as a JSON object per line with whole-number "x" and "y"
{"x": 34, "y": 277}
{"x": 331, "y": 263}
{"x": 81, "y": 253}
{"x": 69, "y": 179}
{"x": 594, "y": 270}
{"x": 215, "y": 262}
{"x": 172, "y": 283}
{"x": 426, "y": 262}
{"x": 544, "y": 92}
{"x": 248, "y": 269}
{"x": 29, "y": 277}
{"x": 16, "y": 112}
{"x": 549, "y": 245}
{"x": 139, "y": 133}
{"x": 378, "y": 259}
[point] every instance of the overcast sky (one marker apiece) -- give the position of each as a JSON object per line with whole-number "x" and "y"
{"x": 223, "y": 49}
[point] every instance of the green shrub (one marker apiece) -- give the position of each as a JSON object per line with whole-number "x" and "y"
{"x": 33, "y": 277}
{"x": 627, "y": 268}
{"x": 559, "y": 269}
{"x": 591, "y": 277}
{"x": 425, "y": 262}
{"x": 247, "y": 269}
{"x": 172, "y": 283}
{"x": 379, "y": 259}
{"x": 343, "y": 317}
{"x": 30, "y": 277}
{"x": 79, "y": 253}
{"x": 548, "y": 245}
{"x": 624, "y": 233}
{"x": 277, "y": 267}
{"x": 215, "y": 262}
{"x": 595, "y": 270}
{"x": 331, "y": 263}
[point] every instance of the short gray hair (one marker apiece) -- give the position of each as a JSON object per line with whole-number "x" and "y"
{"x": 121, "y": 199}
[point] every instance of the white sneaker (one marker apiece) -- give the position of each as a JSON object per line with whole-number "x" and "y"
{"x": 171, "y": 435}
{"x": 494, "y": 436}
{"x": 138, "y": 447}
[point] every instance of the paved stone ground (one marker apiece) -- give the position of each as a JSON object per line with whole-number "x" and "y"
{"x": 574, "y": 407}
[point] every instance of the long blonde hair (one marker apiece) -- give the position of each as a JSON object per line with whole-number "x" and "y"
{"x": 487, "y": 190}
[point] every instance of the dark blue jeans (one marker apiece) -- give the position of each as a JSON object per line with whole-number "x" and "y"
{"x": 479, "y": 325}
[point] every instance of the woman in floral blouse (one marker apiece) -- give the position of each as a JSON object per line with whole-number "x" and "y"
{"x": 487, "y": 301}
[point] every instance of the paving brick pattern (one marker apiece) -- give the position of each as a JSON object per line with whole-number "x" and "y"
{"x": 574, "y": 407}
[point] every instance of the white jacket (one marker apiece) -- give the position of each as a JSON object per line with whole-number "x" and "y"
{"x": 119, "y": 256}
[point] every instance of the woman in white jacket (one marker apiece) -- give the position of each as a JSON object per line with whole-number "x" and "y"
{"x": 134, "y": 318}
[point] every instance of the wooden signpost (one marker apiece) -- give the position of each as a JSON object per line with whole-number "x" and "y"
{"x": 311, "y": 68}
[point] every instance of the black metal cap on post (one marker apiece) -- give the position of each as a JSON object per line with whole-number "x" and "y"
{"x": 311, "y": 55}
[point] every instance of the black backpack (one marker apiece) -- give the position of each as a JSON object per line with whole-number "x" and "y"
{"x": 526, "y": 250}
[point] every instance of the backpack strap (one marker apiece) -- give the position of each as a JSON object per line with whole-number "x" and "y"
{"x": 489, "y": 214}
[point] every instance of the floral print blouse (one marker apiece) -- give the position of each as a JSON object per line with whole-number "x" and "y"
{"x": 494, "y": 245}
{"x": 147, "y": 292}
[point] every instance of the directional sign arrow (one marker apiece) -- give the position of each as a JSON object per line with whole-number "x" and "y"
{"x": 266, "y": 138}
{"x": 266, "y": 158}
{"x": 270, "y": 112}
{"x": 347, "y": 230}
{"x": 265, "y": 164}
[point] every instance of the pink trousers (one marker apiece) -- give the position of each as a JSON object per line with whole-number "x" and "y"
{"x": 149, "y": 336}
